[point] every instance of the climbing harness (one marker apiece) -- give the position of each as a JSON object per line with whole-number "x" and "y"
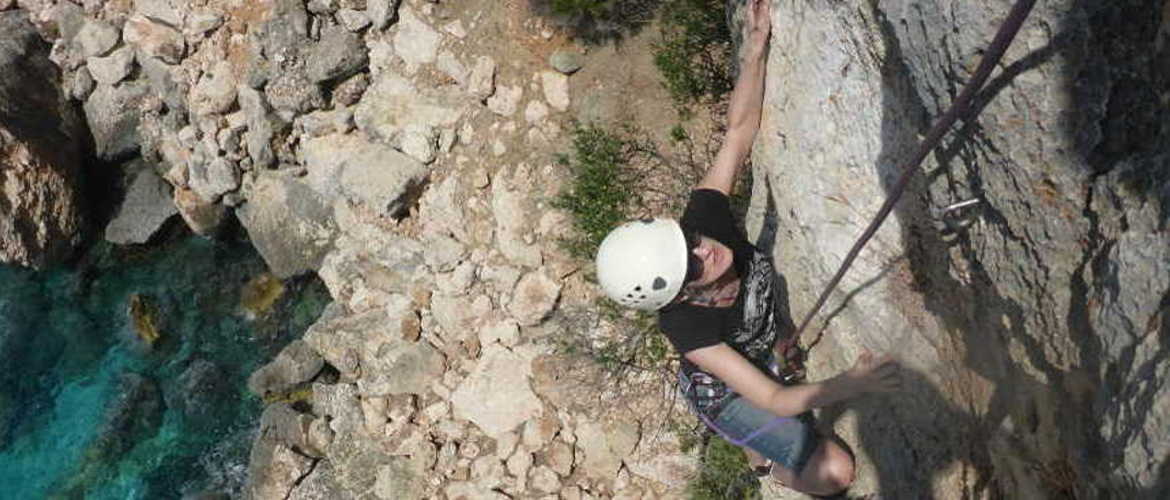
{"x": 961, "y": 107}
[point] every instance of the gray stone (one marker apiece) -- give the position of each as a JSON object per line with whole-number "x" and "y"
{"x": 382, "y": 12}
{"x": 81, "y": 84}
{"x": 566, "y": 61}
{"x": 258, "y": 138}
{"x": 113, "y": 115}
{"x": 274, "y": 467}
{"x": 70, "y": 18}
{"x": 450, "y": 65}
{"x": 556, "y": 89}
{"x": 392, "y": 103}
{"x": 420, "y": 142}
{"x": 155, "y": 39}
{"x": 292, "y": 93}
{"x": 322, "y": 7}
{"x": 296, "y": 364}
{"x": 200, "y": 22}
{"x": 96, "y": 38}
{"x": 290, "y": 225}
{"x": 147, "y": 205}
{"x": 505, "y": 100}
{"x": 212, "y": 179}
{"x": 202, "y": 216}
{"x": 496, "y": 396}
{"x": 510, "y": 208}
{"x": 402, "y": 367}
{"x": 533, "y": 298}
{"x": 201, "y": 390}
{"x": 365, "y": 172}
{"x": 111, "y": 69}
{"x": 164, "y": 83}
{"x": 353, "y": 20}
{"x": 215, "y": 92}
{"x": 42, "y": 217}
{"x": 169, "y": 12}
{"x": 340, "y": 405}
{"x": 338, "y": 55}
{"x": 351, "y": 90}
{"x": 415, "y": 41}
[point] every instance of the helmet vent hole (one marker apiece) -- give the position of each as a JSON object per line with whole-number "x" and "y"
{"x": 659, "y": 283}
{"x": 638, "y": 288}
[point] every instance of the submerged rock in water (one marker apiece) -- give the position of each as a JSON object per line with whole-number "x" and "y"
{"x": 134, "y": 416}
{"x": 144, "y": 318}
{"x": 259, "y": 294}
{"x": 40, "y": 133}
{"x": 200, "y": 393}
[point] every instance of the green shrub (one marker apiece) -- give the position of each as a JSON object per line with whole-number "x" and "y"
{"x": 723, "y": 474}
{"x": 593, "y": 8}
{"x": 695, "y": 55}
{"x": 602, "y": 193}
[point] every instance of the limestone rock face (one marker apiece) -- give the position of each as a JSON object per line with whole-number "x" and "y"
{"x": 1027, "y": 319}
{"x": 40, "y": 161}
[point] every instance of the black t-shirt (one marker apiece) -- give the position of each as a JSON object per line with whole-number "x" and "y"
{"x": 750, "y": 326}
{"x": 689, "y": 326}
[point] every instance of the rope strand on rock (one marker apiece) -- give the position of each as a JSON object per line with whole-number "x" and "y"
{"x": 959, "y": 108}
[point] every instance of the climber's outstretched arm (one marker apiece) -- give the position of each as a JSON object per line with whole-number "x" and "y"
{"x": 870, "y": 373}
{"x": 743, "y": 113}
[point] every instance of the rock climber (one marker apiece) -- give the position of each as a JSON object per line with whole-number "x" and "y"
{"x": 717, "y": 302}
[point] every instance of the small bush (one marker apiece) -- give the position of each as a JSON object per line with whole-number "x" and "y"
{"x": 723, "y": 474}
{"x": 695, "y": 55}
{"x": 602, "y": 192}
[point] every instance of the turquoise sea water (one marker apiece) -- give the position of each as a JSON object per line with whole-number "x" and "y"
{"x": 89, "y": 410}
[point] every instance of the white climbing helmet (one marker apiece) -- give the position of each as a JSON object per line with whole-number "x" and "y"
{"x": 643, "y": 264}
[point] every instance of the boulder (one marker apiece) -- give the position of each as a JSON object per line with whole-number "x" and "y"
{"x": 169, "y": 12}
{"x": 496, "y": 396}
{"x": 296, "y": 364}
{"x": 134, "y": 415}
{"x": 274, "y": 465}
{"x": 533, "y": 298}
{"x": 41, "y": 215}
{"x": 147, "y": 205}
{"x": 566, "y": 61}
{"x": 212, "y": 179}
{"x": 291, "y": 225}
{"x": 338, "y": 55}
{"x": 201, "y": 393}
{"x": 113, "y": 68}
{"x": 202, "y": 217}
{"x": 392, "y": 103}
{"x": 382, "y": 12}
{"x": 215, "y": 92}
{"x": 113, "y": 115}
{"x": 415, "y": 41}
{"x": 291, "y": 93}
{"x": 482, "y": 82}
{"x": 353, "y": 20}
{"x": 154, "y": 39}
{"x": 556, "y": 89}
{"x": 362, "y": 171}
{"x": 96, "y": 38}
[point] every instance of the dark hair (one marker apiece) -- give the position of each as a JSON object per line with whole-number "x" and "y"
{"x": 694, "y": 263}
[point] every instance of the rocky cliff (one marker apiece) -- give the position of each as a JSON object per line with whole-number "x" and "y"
{"x": 41, "y": 216}
{"x": 1033, "y": 321}
{"x": 404, "y": 151}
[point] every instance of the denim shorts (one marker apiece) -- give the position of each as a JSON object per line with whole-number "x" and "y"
{"x": 787, "y": 441}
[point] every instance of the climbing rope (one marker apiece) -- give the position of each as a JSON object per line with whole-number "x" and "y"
{"x": 790, "y": 350}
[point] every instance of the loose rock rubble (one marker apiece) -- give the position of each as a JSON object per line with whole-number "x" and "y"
{"x": 379, "y": 144}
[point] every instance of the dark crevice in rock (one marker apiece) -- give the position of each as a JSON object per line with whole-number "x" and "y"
{"x": 301, "y": 479}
